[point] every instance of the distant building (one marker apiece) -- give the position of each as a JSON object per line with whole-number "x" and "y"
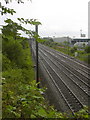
{"x": 62, "y": 39}
{"x": 89, "y": 20}
{"x": 81, "y": 44}
{"x": 48, "y": 38}
{"x": 80, "y": 40}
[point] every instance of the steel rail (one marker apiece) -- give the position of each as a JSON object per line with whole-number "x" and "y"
{"x": 69, "y": 71}
{"x": 68, "y": 65}
{"x": 65, "y": 56}
{"x": 70, "y": 93}
{"x": 67, "y": 75}
{"x": 86, "y": 83}
{"x": 58, "y": 89}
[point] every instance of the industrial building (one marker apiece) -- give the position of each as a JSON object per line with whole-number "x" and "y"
{"x": 79, "y": 40}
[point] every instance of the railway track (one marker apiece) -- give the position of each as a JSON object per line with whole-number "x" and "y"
{"x": 61, "y": 79}
{"x": 78, "y": 86}
{"x": 85, "y": 75}
{"x": 70, "y": 60}
{"x": 67, "y": 69}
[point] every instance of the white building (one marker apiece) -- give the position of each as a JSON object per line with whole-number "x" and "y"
{"x": 81, "y": 44}
{"x": 89, "y": 20}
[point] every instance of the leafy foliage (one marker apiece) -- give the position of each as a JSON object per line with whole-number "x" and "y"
{"x": 14, "y": 52}
{"x": 87, "y": 49}
{"x": 11, "y": 29}
{"x": 21, "y": 97}
{"x": 82, "y": 114}
{"x": 29, "y": 21}
{"x": 5, "y": 10}
{"x": 73, "y": 49}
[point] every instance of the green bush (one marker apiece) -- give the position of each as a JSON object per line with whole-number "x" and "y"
{"x": 14, "y": 51}
{"x": 24, "y": 43}
{"x": 22, "y": 98}
{"x": 73, "y": 49}
{"x": 87, "y": 49}
{"x": 6, "y": 64}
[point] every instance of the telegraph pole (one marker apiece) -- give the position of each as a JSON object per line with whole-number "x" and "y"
{"x": 37, "y": 68}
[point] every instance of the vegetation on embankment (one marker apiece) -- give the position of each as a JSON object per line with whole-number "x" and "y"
{"x": 21, "y": 98}
{"x": 83, "y": 53}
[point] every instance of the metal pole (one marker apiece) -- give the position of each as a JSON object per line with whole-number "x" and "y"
{"x": 37, "y": 68}
{"x": 68, "y": 44}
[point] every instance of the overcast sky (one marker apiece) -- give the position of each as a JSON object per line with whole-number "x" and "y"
{"x": 58, "y": 17}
